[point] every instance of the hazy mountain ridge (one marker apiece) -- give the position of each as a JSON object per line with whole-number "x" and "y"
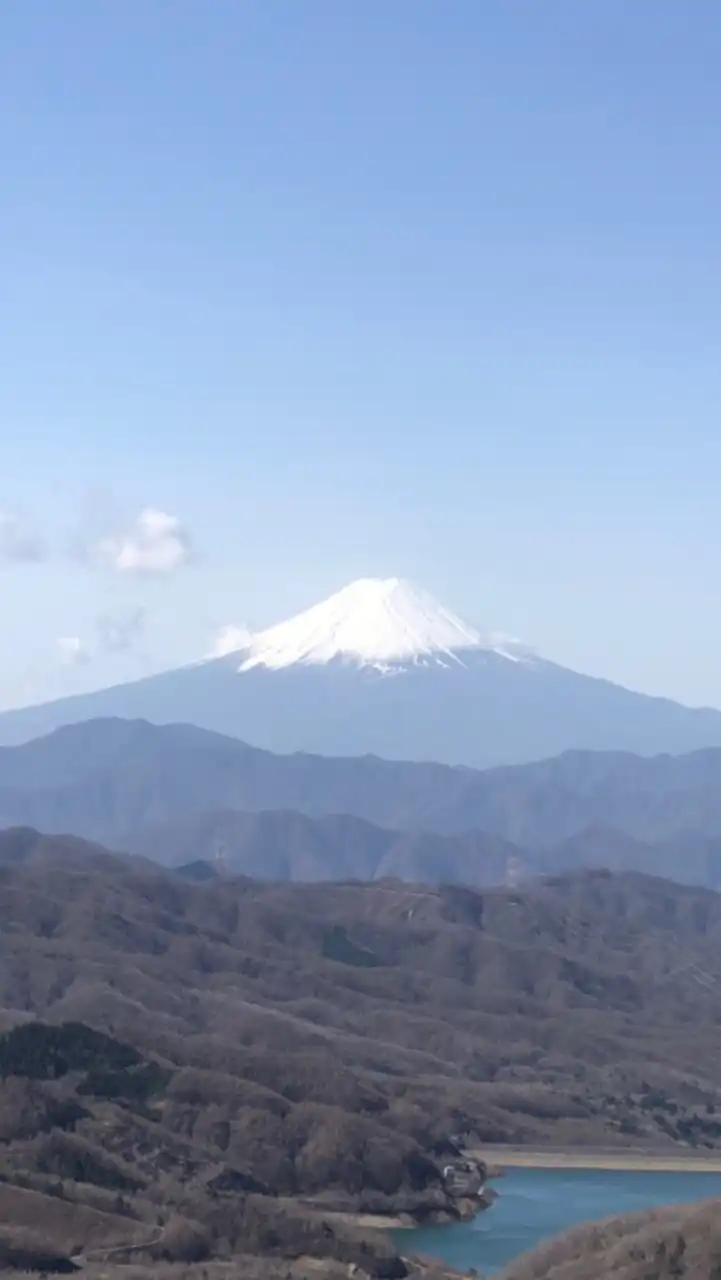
{"x": 178, "y": 793}
{"x": 286, "y": 845}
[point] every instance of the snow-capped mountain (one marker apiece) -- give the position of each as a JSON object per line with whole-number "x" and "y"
{"x": 380, "y": 623}
{"x": 382, "y": 668}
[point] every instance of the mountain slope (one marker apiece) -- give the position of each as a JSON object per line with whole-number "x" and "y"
{"x": 681, "y": 1242}
{"x": 382, "y": 668}
{"x": 199, "y": 1071}
{"x": 577, "y": 988}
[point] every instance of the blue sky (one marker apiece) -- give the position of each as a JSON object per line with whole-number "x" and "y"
{"x": 348, "y": 288}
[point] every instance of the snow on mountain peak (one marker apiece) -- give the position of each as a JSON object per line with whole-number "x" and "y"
{"x": 376, "y": 622}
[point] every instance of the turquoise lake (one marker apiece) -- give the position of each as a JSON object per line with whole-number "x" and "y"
{"x": 534, "y": 1204}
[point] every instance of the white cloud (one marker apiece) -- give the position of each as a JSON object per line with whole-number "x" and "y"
{"x": 20, "y": 543}
{"x": 228, "y": 640}
{"x": 73, "y": 653}
{"x": 154, "y": 544}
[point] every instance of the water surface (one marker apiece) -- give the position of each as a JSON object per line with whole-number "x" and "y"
{"x": 534, "y": 1204}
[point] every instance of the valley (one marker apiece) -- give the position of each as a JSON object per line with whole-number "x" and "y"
{"x": 248, "y": 1067}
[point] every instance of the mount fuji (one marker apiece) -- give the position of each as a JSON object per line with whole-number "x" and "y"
{"x": 384, "y": 624}
{"x": 382, "y": 668}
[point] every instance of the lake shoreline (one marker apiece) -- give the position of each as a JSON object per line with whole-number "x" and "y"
{"x": 612, "y": 1161}
{"x": 542, "y": 1203}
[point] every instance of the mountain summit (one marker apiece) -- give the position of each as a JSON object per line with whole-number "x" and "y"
{"x": 320, "y": 682}
{"x": 382, "y": 623}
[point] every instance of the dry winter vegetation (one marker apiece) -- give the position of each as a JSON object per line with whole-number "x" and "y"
{"x": 256, "y": 1063}
{"x": 679, "y": 1243}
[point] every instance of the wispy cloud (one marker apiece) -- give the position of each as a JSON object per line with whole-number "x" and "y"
{"x": 117, "y": 633}
{"x": 20, "y": 542}
{"x": 72, "y": 651}
{"x": 114, "y": 633}
{"x": 154, "y": 544}
{"x": 229, "y": 639}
